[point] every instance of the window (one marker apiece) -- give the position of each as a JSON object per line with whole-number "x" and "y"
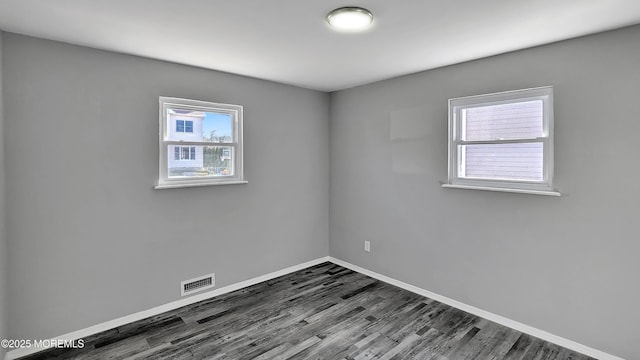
{"x": 184, "y": 126}
{"x": 200, "y": 143}
{"x": 184, "y": 153}
{"x": 502, "y": 141}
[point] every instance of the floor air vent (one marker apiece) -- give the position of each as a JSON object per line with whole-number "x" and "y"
{"x": 191, "y": 286}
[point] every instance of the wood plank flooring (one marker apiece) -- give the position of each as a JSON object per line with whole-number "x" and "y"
{"x": 323, "y": 312}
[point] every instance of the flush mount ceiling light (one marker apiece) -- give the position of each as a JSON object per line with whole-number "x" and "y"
{"x": 350, "y": 18}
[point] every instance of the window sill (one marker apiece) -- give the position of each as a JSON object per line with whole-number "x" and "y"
{"x": 183, "y": 185}
{"x": 520, "y": 191}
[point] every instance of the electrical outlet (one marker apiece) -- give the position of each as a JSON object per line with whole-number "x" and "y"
{"x": 367, "y": 246}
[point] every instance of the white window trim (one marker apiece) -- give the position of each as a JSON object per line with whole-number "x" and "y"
{"x": 544, "y": 187}
{"x": 236, "y": 112}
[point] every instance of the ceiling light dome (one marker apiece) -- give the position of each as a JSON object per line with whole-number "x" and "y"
{"x": 350, "y": 18}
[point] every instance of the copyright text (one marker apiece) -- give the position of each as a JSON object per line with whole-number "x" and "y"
{"x": 41, "y": 343}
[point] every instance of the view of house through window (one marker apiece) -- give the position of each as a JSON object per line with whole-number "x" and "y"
{"x": 205, "y": 127}
{"x": 502, "y": 140}
{"x": 202, "y": 142}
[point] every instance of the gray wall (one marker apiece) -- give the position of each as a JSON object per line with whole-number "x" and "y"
{"x": 567, "y": 265}
{"x": 89, "y": 238}
{"x": 3, "y": 238}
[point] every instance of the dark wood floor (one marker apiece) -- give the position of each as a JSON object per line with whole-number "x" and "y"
{"x": 323, "y": 312}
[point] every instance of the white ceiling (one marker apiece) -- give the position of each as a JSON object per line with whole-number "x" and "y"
{"x": 288, "y": 41}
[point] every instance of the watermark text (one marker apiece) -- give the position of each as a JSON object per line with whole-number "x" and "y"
{"x": 41, "y": 343}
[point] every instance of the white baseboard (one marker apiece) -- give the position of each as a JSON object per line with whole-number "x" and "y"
{"x": 16, "y": 353}
{"x": 541, "y": 334}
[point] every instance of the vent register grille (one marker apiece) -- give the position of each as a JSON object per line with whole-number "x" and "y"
{"x": 201, "y": 283}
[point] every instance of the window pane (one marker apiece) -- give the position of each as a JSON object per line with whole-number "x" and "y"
{"x": 219, "y": 160}
{"x": 522, "y": 120}
{"x": 208, "y": 161}
{"x": 217, "y": 127}
{"x": 522, "y": 161}
{"x": 199, "y": 126}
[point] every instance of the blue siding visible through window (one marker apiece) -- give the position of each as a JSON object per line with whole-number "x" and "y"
{"x": 523, "y": 161}
{"x": 188, "y": 126}
{"x": 518, "y": 120}
{"x": 179, "y": 125}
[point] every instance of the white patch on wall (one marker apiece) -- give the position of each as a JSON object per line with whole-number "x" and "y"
{"x": 409, "y": 135}
{"x": 409, "y": 123}
{"x": 198, "y": 284}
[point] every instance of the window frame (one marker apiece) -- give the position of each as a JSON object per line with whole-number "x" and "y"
{"x": 236, "y": 144}
{"x": 457, "y": 105}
